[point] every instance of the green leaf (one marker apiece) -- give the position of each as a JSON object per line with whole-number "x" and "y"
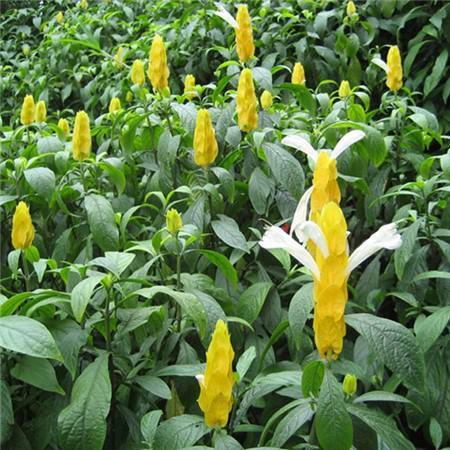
{"x": 333, "y": 424}
{"x": 432, "y": 274}
{"x": 299, "y": 309}
{"x": 394, "y": 345}
{"x": 223, "y": 263}
{"x": 28, "y": 336}
{"x": 179, "y": 432}
{"x": 286, "y": 169}
{"x": 37, "y": 372}
{"x": 228, "y": 231}
{"x": 437, "y": 73}
{"x": 154, "y": 385}
{"x": 259, "y": 189}
{"x": 435, "y": 432}
{"x": 115, "y": 174}
{"x": 431, "y": 327}
{"x": 42, "y": 180}
{"x": 82, "y": 424}
{"x": 380, "y": 396}
{"x": 385, "y": 427}
{"x": 252, "y": 300}
{"x": 245, "y": 361}
{"x": 7, "y": 413}
{"x": 226, "y": 442}
{"x": 303, "y": 95}
{"x": 312, "y": 377}
{"x": 115, "y": 262}
{"x": 101, "y": 221}
{"x": 403, "y": 254}
{"x": 149, "y": 424}
{"x": 81, "y": 295}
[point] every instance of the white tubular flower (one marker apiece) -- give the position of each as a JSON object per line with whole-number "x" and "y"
{"x": 304, "y": 146}
{"x": 300, "y": 215}
{"x": 386, "y": 237}
{"x": 225, "y": 15}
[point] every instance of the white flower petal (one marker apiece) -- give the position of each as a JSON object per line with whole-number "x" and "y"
{"x": 301, "y": 144}
{"x": 346, "y": 141}
{"x": 386, "y": 237}
{"x": 312, "y": 231}
{"x": 300, "y": 215}
{"x": 275, "y": 237}
{"x": 225, "y": 15}
{"x": 200, "y": 378}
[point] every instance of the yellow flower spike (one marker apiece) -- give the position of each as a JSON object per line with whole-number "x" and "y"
{"x": 344, "y": 89}
{"x": 60, "y": 17}
{"x": 137, "y": 72}
{"x": 246, "y": 102}
{"x": 216, "y": 384}
{"x": 350, "y": 384}
{"x": 81, "y": 139}
{"x": 244, "y": 35}
{"x": 298, "y": 74}
{"x": 351, "y": 8}
{"x": 63, "y": 125}
{"x": 158, "y": 71}
{"x": 114, "y": 105}
{"x": 27, "y": 114}
{"x": 41, "y": 111}
{"x": 266, "y": 100}
{"x": 394, "y": 72}
{"x": 205, "y": 144}
{"x": 83, "y": 4}
{"x": 189, "y": 86}
{"x": 173, "y": 221}
{"x": 118, "y": 58}
{"x": 22, "y": 234}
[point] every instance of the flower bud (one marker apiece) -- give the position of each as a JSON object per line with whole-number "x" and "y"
{"x": 158, "y": 71}
{"x": 41, "y": 111}
{"x": 205, "y": 144}
{"x": 22, "y": 227}
{"x": 137, "y": 72}
{"x": 189, "y": 87}
{"x": 173, "y": 221}
{"x": 118, "y": 58}
{"x": 83, "y": 4}
{"x": 246, "y": 102}
{"x": 344, "y": 89}
{"x": 28, "y": 110}
{"x": 114, "y": 105}
{"x": 394, "y": 72}
{"x": 129, "y": 96}
{"x": 351, "y": 8}
{"x": 60, "y": 17}
{"x": 244, "y": 35}
{"x": 63, "y": 125}
{"x": 81, "y": 139}
{"x": 26, "y": 49}
{"x": 298, "y": 74}
{"x": 350, "y": 384}
{"x": 266, "y": 100}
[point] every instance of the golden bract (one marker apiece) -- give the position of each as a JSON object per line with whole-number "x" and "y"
{"x": 83, "y": 4}
{"x": 205, "y": 144}
{"x": 189, "y": 86}
{"x": 351, "y": 8}
{"x": 63, "y": 125}
{"x": 137, "y": 72}
{"x": 394, "y": 72}
{"x": 114, "y": 105}
{"x": 41, "y": 111}
{"x": 158, "y": 71}
{"x": 81, "y": 139}
{"x": 244, "y": 35}
{"x": 60, "y": 17}
{"x": 350, "y": 384}
{"x": 298, "y": 74}
{"x": 216, "y": 385}
{"x": 22, "y": 234}
{"x": 118, "y": 58}
{"x": 344, "y": 89}
{"x": 266, "y": 100}
{"x": 27, "y": 114}
{"x": 173, "y": 221}
{"x": 246, "y": 102}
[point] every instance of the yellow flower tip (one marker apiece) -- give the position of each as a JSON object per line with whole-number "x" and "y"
{"x": 137, "y": 72}
{"x": 216, "y": 385}
{"x": 81, "y": 139}
{"x": 351, "y": 8}
{"x": 350, "y": 384}
{"x": 325, "y": 186}
{"x": 205, "y": 143}
{"x": 246, "y": 102}
{"x": 22, "y": 234}
{"x": 173, "y": 221}
{"x": 41, "y": 111}
{"x": 344, "y": 89}
{"x": 83, "y": 4}
{"x": 394, "y": 72}
{"x": 189, "y": 86}
{"x": 60, "y": 17}
{"x": 244, "y": 35}
{"x": 118, "y": 58}
{"x": 114, "y": 105}
{"x": 27, "y": 114}
{"x": 266, "y": 100}
{"x": 63, "y": 125}
{"x": 158, "y": 70}
{"x": 298, "y": 74}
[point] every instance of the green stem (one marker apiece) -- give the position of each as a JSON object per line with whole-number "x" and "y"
{"x": 177, "y": 306}
{"x": 83, "y": 179}
{"x": 26, "y": 272}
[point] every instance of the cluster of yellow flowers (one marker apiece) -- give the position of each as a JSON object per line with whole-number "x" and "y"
{"x": 31, "y": 113}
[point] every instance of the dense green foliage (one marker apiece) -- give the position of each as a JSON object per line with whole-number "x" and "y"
{"x": 105, "y": 320}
